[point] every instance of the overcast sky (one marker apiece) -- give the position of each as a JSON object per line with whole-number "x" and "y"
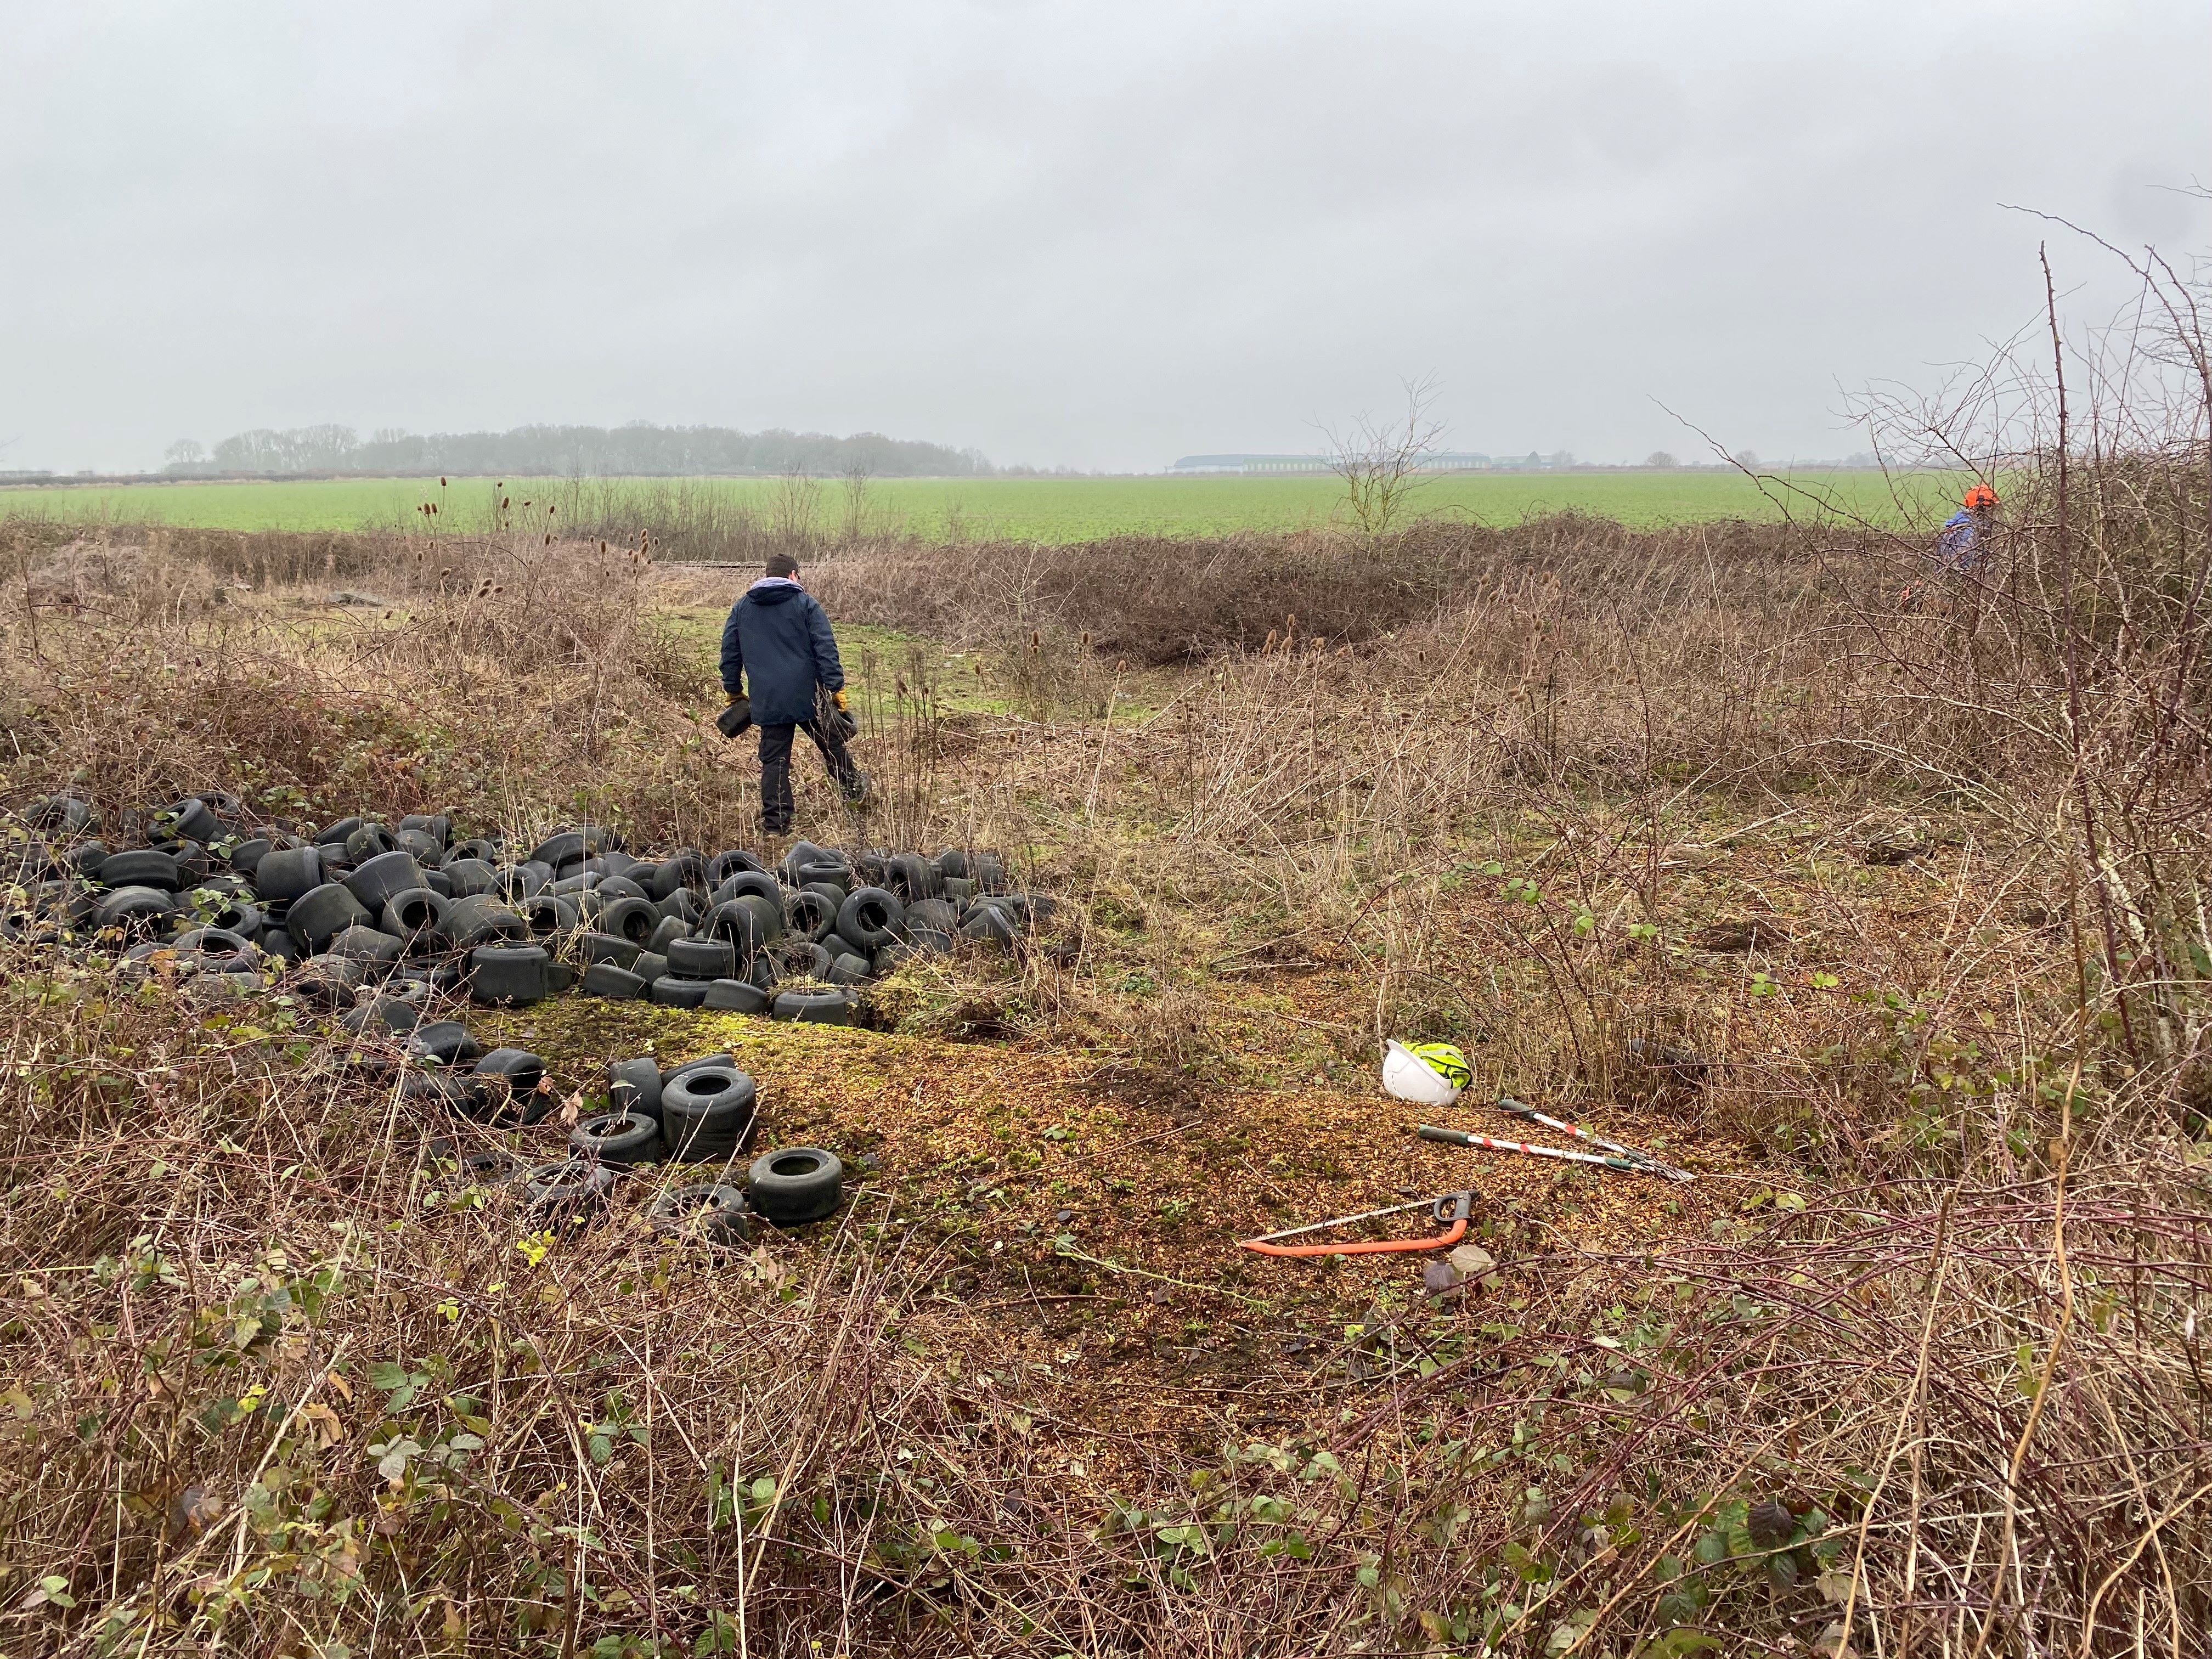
{"x": 1096, "y": 236}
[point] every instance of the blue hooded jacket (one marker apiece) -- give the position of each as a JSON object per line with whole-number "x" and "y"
{"x": 780, "y": 638}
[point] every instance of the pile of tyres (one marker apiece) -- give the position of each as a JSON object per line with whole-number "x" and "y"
{"x": 360, "y": 909}
{"x": 703, "y": 1112}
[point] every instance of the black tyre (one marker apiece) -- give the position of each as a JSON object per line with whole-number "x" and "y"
{"x": 835, "y": 891}
{"x": 479, "y": 851}
{"x": 736, "y": 996}
{"x": 709, "y": 1213}
{"x": 796, "y": 1184}
{"x": 870, "y": 918}
{"x": 724, "y": 865}
{"x": 69, "y": 814}
{"x": 568, "y": 1192}
{"x": 671, "y": 930}
{"x": 606, "y": 947}
{"x": 672, "y": 992}
{"x": 517, "y": 882}
{"x": 482, "y": 919}
{"x": 567, "y": 848}
{"x": 373, "y": 949}
{"x": 381, "y": 1017}
{"x": 229, "y": 911}
{"x": 446, "y": 1041}
{"x": 370, "y": 841}
{"x": 737, "y": 925}
{"x": 770, "y": 913}
{"x": 705, "y": 1062}
{"x": 441, "y": 1091}
{"x": 334, "y": 835}
{"x": 951, "y": 863}
{"x": 194, "y": 865}
{"x": 633, "y": 919}
{"x": 634, "y": 1086}
{"x": 439, "y": 826}
{"x": 135, "y": 909}
{"x": 550, "y": 917}
{"x": 604, "y": 979}
{"x": 148, "y": 866}
{"x": 323, "y": 914}
{"x": 424, "y": 849}
{"x": 247, "y": 855}
{"x": 288, "y": 874}
{"x": 929, "y": 941}
{"x": 610, "y": 888}
{"x": 939, "y": 913}
{"x": 850, "y": 969}
{"x": 488, "y": 1166}
{"x": 811, "y": 913}
{"x": 989, "y": 924}
{"x": 703, "y": 958}
{"x": 417, "y": 918}
{"x": 509, "y": 976}
{"x": 743, "y": 882}
{"x": 684, "y": 905}
{"x": 649, "y": 965}
{"x": 616, "y": 1139}
{"x": 912, "y": 878}
{"x": 677, "y": 874}
{"x": 988, "y": 871}
{"x": 510, "y": 1077}
{"x": 804, "y": 961}
{"x": 330, "y": 982}
{"x": 468, "y": 877}
{"x": 958, "y": 890}
{"x": 706, "y": 1115}
{"x": 434, "y": 881}
{"x": 817, "y": 1007}
{"x": 190, "y": 819}
{"x": 219, "y": 950}
{"x": 382, "y": 877}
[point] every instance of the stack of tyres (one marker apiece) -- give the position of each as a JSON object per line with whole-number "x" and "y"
{"x": 362, "y": 909}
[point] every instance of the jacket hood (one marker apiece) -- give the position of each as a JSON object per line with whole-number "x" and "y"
{"x": 773, "y": 590}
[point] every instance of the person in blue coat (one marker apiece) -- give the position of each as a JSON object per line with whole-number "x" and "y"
{"x": 779, "y": 638}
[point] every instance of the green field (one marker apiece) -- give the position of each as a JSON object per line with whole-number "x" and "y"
{"x": 1032, "y": 509}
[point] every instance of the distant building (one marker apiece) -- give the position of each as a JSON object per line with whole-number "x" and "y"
{"x": 1314, "y": 463}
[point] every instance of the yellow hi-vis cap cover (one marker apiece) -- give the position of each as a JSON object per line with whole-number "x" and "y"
{"x": 1446, "y": 1061}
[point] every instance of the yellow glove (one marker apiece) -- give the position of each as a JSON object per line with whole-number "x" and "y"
{"x": 838, "y": 697}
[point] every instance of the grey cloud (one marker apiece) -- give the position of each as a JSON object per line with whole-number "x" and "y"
{"x": 1099, "y": 235}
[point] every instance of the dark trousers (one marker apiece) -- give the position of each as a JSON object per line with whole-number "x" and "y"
{"x": 776, "y": 805}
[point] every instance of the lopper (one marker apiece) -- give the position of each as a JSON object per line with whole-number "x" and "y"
{"x": 1451, "y": 1212}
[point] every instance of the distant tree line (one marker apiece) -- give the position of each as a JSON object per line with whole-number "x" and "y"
{"x": 639, "y": 450}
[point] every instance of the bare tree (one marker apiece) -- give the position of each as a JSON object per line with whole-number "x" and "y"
{"x": 1660, "y": 458}
{"x": 854, "y": 487}
{"x": 794, "y": 504}
{"x": 1380, "y": 462}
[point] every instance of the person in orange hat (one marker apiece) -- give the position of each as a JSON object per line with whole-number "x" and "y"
{"x": 1967, "y": 534}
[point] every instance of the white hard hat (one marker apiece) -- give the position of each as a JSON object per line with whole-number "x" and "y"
{"x": 1409, "y": 1077}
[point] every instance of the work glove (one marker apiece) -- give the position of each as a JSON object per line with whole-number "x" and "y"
{"x": 838, "y": 698}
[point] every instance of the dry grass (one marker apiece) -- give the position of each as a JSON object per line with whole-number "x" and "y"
{"x": 1917, "y": 1368}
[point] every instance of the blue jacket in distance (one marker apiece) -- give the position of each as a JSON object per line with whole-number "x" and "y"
{"x": 780, "y": 638}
